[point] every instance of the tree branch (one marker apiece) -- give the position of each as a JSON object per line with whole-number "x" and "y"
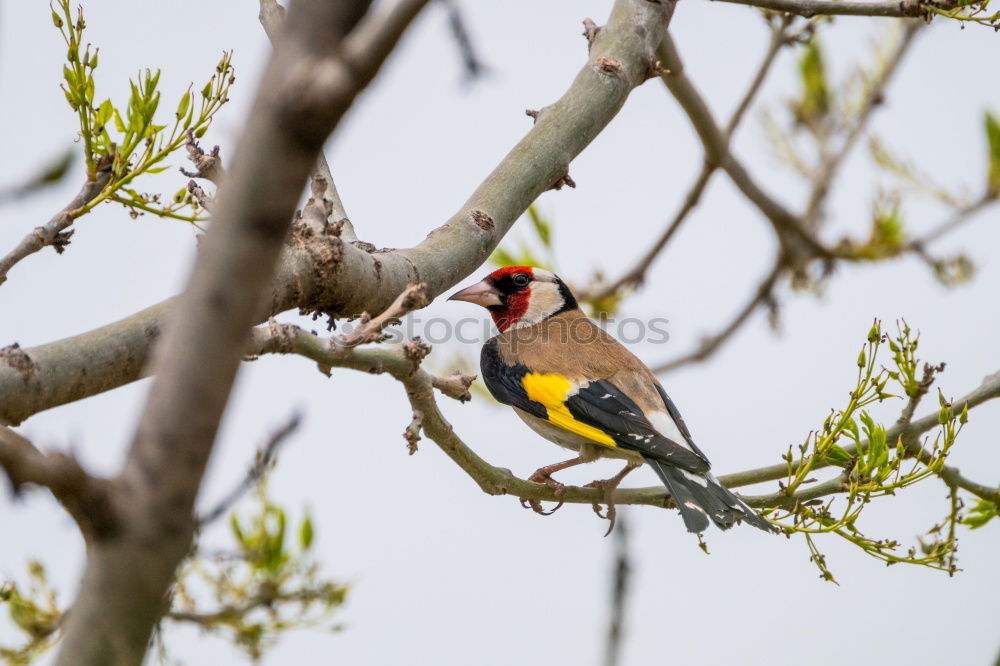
{"x": 958, "y": 218}
{"x": 809, "y": 8}
{"x": 637, "y": 274}
{"x": 54, "y": 231}
{"x": 325, "y": 273}
{"x": 711, "y": 344}
{"x": 369, "y": 45}
{"x": 874, "y": 97}
{"x": 263, "y": 461}
{"x": 795, "y": 238}
{"x": 306, "y": 88}
{"x": 85, "y": 498}
{"x": 989, "y": 389}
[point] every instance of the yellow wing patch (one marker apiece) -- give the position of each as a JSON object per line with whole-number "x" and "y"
{"x": 550, "y": 390}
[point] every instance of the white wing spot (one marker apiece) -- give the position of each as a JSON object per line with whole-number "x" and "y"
{"x": 666, "y": 427}
{"x": 692, "y": 505}
{"x": 700, "y": 480}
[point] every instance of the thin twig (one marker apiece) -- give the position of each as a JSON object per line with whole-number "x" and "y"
{"x": 51, "y": 173}
{"x": 370, "y": 329}
{"x": 958, "y": 218}
{"x": 709, "y": 345}
{"x": 54, "y": 231}
{"x": 471, "y": 62}
{"x": 874, "y": 97}
{"x": 636, "y": 275}
{"x": 263, "y": 462}
{"x": 989, "y": 389}
{"x": 809, "y": 8}
{"x": 796, "y": 239}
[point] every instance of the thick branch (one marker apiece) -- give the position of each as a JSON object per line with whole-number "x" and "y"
{"x": 368, "y": 46}
{"x": 305, "y": 91}
{"x": 329, "y": 274}
{"x": 54, "y": 231}
{"x": 83, "y": 496}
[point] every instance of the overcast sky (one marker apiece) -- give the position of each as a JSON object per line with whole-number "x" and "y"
{"x": 441, "y": 573}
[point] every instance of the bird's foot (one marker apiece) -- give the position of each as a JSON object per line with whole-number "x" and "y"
{"x": 608, "y": 487}
{"x": 543, "y": 476}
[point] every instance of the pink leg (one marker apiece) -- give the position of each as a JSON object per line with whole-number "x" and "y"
{"x": 609, "y": 486}
{"x": 544, "y": 475}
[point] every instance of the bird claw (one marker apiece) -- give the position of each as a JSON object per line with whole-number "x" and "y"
{"x": 608, "y": 487}
{"x": 536, "y": 505}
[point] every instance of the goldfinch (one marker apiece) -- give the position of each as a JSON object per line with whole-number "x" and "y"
{"x": 577, "y": 386}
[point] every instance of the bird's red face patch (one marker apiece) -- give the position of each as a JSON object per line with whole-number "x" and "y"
{"x": 507, "y": 315}
{"x": 513, "y": 282}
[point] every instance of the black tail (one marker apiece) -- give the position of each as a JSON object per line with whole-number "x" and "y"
{"x": 700, "y": 497}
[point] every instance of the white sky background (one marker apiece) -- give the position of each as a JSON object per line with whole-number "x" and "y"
{"x": 442, "y": 573}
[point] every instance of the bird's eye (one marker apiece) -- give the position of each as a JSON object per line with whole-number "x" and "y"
{"x": 521, "y": 280}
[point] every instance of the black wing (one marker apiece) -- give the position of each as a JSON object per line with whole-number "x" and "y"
{"x": 602, "y": 405}
{"x": 504, "y": 381}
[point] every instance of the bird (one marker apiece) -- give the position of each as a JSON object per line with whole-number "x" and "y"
{"x": 575, "y": 385}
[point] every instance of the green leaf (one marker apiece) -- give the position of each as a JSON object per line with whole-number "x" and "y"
{"x": 993, "y": 137}
{"x": 851, "y": 426}
{"x": 70, "y": 76}
{"x": 306, "y": 533}
{"x": 234, "y": 525}
{"x": 182, "y": 107}
{"x": 838, "y": 456}
{"x": 119, "y": 124}
{"x": 502, "y": 257}
{"x": 542, "y": 226}
{"x": 982, "y": 513}
{"x": 815, "y": 101}
{"x": 104, "y": 112}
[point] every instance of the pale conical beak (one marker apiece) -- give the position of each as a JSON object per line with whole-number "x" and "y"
{"x": 482, "y": 293}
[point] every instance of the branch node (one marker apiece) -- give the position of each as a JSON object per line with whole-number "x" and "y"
{"x": 18, "y": 360}
{"x": 608, "y": 66}
{"x": 412, "y": 432}
{"x": 455, "y": 386}
{"x": 206, "y": 165}
{"x": 590, "y": 31}
{"x": 564, "y": 180}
